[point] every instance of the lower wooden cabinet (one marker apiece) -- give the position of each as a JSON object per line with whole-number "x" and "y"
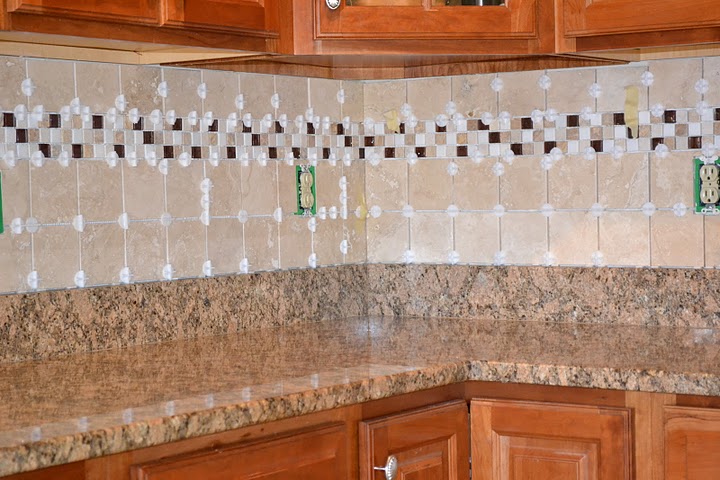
{"x": 316, "y": 454}
{"x": 518, "y": 440}
{"x": 692, "y": 443}
{"x": 429, "y": 443}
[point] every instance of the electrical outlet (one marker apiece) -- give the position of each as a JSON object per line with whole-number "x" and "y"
{"x": 305, "y": 190}
{"x": 707, "y": 187}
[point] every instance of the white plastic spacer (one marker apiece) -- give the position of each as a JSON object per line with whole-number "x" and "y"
{"x": 278, "y": 215}
{"x": 16, "y": 226}
{"x": 244, "y": 265}
{"x": 167, "y": 271}
{"x": 453, "y": 257}
{"x": 163, "y": 90}
{"x": 120, "y": 103}
{"x": 184, "y": 159}
{"x": 33, "y": 280}
{"x": 37, "y": 159}
{"x": 80, "y": 279}
{"x": 202, "y": 90}
{"x": 79, "y": 223}
{"x": 123, "y": 221}
{"x": 312, "y": 260}
{"x": 375, "y": 211}
{"x": 408, "y": 211}
{"x": 344, "y": 247}
{"x": 207, "y": 268}
{"x": 240, "y": 102}
{"x": 125, "y": 275}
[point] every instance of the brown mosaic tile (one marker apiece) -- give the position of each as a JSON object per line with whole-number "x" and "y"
{"x": 572, "y": 134}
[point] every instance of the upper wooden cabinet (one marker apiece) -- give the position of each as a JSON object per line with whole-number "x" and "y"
{"x": 517, "y": 440}
{"x": 132, "y": 11}
{"x": 231, "y": 15}
{"x": 422, "y": 27}
{"x": 585, "y": 25}
{"x": 430, "y": 443}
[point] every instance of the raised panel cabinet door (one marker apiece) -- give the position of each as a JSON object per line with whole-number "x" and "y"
{"x": 129, "y": 11}
{"x": 318, "y": 454}
{"x": 235, "y": 16}
{"x": 518, "y": 440}
{"x": 430, "y": 443}
{"x": 692, "y": 443}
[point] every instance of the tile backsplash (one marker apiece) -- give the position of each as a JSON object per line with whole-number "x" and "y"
{"x": 121, "y": 174}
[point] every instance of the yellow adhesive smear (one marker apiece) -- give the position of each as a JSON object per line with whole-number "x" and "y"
{"x": 393, "y": 120}
{"x": 632, "y": 119}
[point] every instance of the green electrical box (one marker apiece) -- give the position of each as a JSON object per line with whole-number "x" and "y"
{"x": 707, "y": 187}
{"x": 305, "y": 189}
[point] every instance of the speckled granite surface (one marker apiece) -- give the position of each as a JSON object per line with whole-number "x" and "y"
{"x": 47, "y": 324}
{"x": 87, "y": 405}
{"x": 633, "y": 296}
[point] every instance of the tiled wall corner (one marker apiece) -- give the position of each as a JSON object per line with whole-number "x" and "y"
{"x": 541, "y": 167}
{"x": 121, "y": 174}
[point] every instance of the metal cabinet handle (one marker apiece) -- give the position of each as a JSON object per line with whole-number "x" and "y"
{"x": 332, "y": 4}
{"x": 390, "y": 468}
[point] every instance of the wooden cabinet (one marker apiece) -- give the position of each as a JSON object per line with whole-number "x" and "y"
{"x": 692, "y": 443}
{"x": 232, "y": 15}
{"x": 132, "y": 11}
{"x": 610, "y": 24}
{"x": 317, "y": 454}
{"x": 430, "y": 443}
{"x": 517, "y": 440}
{"x": 422, "y": 26}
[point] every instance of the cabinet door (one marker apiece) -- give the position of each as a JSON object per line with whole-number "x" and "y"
{"x": 517, "y": 440}
{"x": 692, "y": 443}
{"x": 134, "y": 11}
{"x": 231, "y": 15}
{"x": 686, "y": 18}
{"x": 430, "y": 443}
{"x": 447, "y": 26}
{"x": 318, "y": 454}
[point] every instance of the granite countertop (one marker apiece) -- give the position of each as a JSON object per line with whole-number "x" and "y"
{"x": 87, "y": 405}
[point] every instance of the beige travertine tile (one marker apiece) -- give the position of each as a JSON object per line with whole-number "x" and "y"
{"x": 11, "y": 76}
{"x": 14, "y": 262}
{"x": 295, "y": 242}
{"x": 476, "y": 186}
{"x": 524, "y": 238}
{"x": 473, "y": 96}
{"x": 293, "y": 93}
{"x": 183, "y": 190}
{"x": 100, "y": 191}
{"x": 225, "y": 245}
{"x": 139, "y": 85}
{"x": 613, "y": 81}
{"x": 676, "y": 241}
{"x": 569, "y": 90}
{"x": 103, "y": 253}
{"x": 261, "y": 244}
{"x": 354, "y": 100}
{"x": 623, "y": 183}
{"x": 431, "y": 237}
{"x": 15, "y": 191}
{"x": 573, "y": 237}
{"x": 144, "y": 192}
{"x": 226, "y": 193}
{"x": 327, "y": 184}
{"x": 386, "y": 184}
{"x": 257, "y": 92}
{"x": 56, "y": 256}
{"x": 259, "y": 188}
{"x": 146, "y": 251}
{"x": 326, "y": 241}
{"x": 187, "y": 248}
{"x": 674, "y": 82}
{"x": 520, "y": 94}
{"x": 54, "y": 83}
{"x": 624, "y": 238}
{"x": 323, "y": 97}
{"x": 98, "y": 84}
{"x": 428, "y": 96}
{"x": 223, "y": 88}
{"x": 711, "y": 70}
{"x": 182, "y": 90}
{"x": 522, "y": 187}
{"x": 354, "y": 231}
{"x": 387, "y": 238}
{"x": 571, "y": 183}
{"x": 476, "y": 237}
{"x": 381, "y": 97}
{"x": 287, "y": 187}
{"x": 430, "y": 185}
{"x": 712, "y": 241}
{"x": 54, "y": 193}
{"x": 671, "y": 180}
